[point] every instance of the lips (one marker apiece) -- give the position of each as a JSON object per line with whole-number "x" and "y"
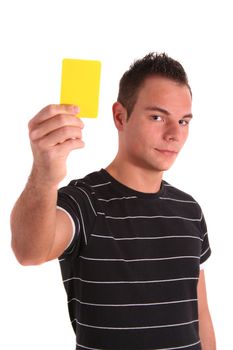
{"x": 167, "y": 152}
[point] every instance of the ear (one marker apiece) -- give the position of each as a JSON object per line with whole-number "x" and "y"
{"x": 119, "y": 115}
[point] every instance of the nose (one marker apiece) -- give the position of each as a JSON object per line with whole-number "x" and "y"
{"x": 172, "y": 132}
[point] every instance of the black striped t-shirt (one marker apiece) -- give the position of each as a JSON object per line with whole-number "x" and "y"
{"x": 132, "y": 269}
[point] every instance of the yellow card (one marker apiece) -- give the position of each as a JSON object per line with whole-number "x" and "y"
{"x": 80, "y": 85}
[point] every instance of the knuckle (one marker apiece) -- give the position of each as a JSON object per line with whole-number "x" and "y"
{"x": 80, "y": 123}
{"x": 32, "y": 135}
{"x": 30, "y": 124}
{"x": 51, "y": 109}
{"x": 66, "y": 131}
{"x": 40, "y": 145}
{"x": 62, "y": 120}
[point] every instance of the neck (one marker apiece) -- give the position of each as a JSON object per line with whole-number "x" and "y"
{"x": 141, "y": 180}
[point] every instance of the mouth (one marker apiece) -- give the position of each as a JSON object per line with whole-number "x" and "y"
{"x": 167, "y": 152}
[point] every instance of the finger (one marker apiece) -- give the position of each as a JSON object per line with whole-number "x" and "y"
{"x": 69, "y": 145}
{"x": 58, "y": 137}
{"x": 52, "y": 110}
{"x": 52, "y": 124}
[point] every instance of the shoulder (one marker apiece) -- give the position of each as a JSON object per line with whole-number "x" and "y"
{"x": 97, "y": 184}
{"x": 177, "y": 193}
{"x": 182, "y": 199}
{"x": 91, "y": 180}
{"x": 81, "y": 191}
{"x": 87, "y": 190}
{"x": 86, "y": 183}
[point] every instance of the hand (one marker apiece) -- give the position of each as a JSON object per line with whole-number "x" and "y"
{"x": 54, "y": 132}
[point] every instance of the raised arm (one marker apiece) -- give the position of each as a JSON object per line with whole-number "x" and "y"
{"x": 40, "y": 232}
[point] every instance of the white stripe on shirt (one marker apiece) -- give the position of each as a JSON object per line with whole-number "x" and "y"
{"x": 133, "y": 328}
{"x": 173, "y": 348}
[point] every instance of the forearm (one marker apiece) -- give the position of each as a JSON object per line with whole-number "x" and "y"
{"x": 33, "y": 222}
{"x": 38, "y": 234}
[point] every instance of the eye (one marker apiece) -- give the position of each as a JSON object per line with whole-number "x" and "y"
{"x": 157, "y": 118}
{"x": 183, "y": 122}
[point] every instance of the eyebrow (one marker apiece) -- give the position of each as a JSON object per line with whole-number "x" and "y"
{"x": 164, "y": 111}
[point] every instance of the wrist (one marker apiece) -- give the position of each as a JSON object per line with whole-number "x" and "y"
{"x": 38, "y": 179}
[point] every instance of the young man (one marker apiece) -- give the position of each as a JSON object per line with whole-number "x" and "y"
{"x": 131, "y": 247}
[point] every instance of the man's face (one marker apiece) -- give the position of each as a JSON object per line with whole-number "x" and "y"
{"x": 158, "y": 125}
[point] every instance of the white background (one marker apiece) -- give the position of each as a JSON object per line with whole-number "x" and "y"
{"x": 35, "y": 37}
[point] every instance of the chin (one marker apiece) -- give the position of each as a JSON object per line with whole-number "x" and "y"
{"x": 157, "y": 169}
{"x": 157, "y": 166}
{"x": 166, "y": 165}
{"x": 162, "y": 168}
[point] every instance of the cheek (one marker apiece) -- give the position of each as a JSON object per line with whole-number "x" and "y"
{"x": 136, "y": 134}
{"x": 142, "y": 135}
{"x": 135, "y": 142}
{"x": 185, "y": 136}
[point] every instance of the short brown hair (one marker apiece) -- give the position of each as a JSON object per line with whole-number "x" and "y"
{"x": 153, "y": 64}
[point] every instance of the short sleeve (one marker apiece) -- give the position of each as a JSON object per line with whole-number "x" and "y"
{"x": 205, "y": 248}
{"x": 77, "y": 200}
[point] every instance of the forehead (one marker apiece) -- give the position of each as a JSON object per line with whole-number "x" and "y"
{"x": 165, "y": 93}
